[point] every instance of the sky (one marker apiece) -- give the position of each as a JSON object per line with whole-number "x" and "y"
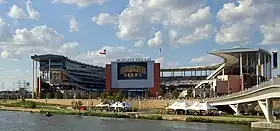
{"x": 185, "y": 30}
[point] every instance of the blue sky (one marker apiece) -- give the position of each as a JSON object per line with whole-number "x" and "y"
{"x": 184, "y": 29}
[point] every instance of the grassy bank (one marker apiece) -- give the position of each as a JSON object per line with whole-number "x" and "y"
{"x": 37, "y": 107}
{"x": 104, "y": 114}
{"x": 221, "y": 120}
{"x": 204, "y": 119}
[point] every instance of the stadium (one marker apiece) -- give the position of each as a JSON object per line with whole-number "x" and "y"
{"x": 242, "y": 68}
{"x": 59, "y": 75}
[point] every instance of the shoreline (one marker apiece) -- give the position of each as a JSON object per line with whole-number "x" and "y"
{"x": 139, "y": 115}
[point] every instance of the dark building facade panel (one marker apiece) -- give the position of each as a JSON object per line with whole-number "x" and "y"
{"x": 69, "y": 74}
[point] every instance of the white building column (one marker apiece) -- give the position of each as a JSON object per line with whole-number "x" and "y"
{"x": 264, "y": 67}
{"x": 33, "y": 82}
{"x": 270, "y": 67}
{"x": 240, "y": 64}
{"x": 258, "y": 64}
{"x": 36, "y": 77}
{"x": 267, "y": 106}
{"x": 241, "y": 71}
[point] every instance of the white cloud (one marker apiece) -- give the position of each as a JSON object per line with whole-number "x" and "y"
{"x": 73, "y": 24}
{"x": 33, "y": 14}
{"x": 180, "y": 19}
{"x": 157, "y": 40}
{"x": 207, "y": 60}
{"x": 104, "y": 18}
{"x": 40, "y": 39}
{"x": 80, "y": 3}
{"x": 199, "y": 33}
{"x": 17, "y": 13}
{"x": 139, "y": 43}
{"x": 64, "y": 48}
{"x": 271, "y": 33}
{"x": 241, "y": 33}
{"x": 5, "y": 32}
{"x": 3, "y": 1}
{"x": 243, "y": 19}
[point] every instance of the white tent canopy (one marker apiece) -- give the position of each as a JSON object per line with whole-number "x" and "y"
{"x": 206, "y": 106}
{"x": 194, "y": 106}
{"x": 178, "y": 106}
{"x": 102, "y": 105}
{"x": 201, "y": 106}
{"x": 182, "y": 106}
{"x": 121, "y": 105}
{"x": 173, "y": 106}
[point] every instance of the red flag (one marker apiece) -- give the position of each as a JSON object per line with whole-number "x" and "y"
{"x": 103, "y": 52}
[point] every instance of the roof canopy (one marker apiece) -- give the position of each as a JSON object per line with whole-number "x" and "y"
{"x": 54, "y": 57}
{"x": 239, "y": 50}
{"x": 197, "y": 68}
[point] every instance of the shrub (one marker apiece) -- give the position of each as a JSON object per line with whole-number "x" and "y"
{"x": 208, "y": 120}
{"x": 29, "y": 104}
{"x": 134, "y": 109}
{"x": 151, "y": 117}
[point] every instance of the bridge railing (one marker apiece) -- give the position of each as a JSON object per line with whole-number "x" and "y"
{"x": 274, "y": 81}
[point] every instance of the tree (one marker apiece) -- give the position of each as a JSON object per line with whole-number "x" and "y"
{"x": 49, "y": 95}
{"x": 80, "y": 103}
{"x": 103, "y": 95}
{"x": 175, "y": 93}
{"x": 119, "y": 96}
{"x": 58, "y": 95}
{"x": 162, "y": 91}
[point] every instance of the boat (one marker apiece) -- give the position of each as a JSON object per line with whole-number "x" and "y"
{"x": 48, "y": 114}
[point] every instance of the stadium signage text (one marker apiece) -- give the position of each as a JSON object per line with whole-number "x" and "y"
{"x": 134, "y": 59}
{"x": 133, "y": 71}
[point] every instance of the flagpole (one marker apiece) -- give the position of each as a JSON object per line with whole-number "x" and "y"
{"x": 159, "y": 53}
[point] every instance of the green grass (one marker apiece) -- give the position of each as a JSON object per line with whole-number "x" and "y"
{"x": 151, "y": 117}
{"x": 222, "y": 120}
{"x": 243, "y": 116}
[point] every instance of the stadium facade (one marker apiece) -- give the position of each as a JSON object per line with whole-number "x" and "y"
{"x": 183, "y": 79}
{"x": 134, "y": 77}
{"x": 60, "y": 74}
{"x": 242, "y": 68}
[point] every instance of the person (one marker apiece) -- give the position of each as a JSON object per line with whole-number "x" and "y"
{"x": 49, "y": 114}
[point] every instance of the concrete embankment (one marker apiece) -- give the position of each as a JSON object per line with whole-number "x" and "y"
{"x": 147, "y": 104}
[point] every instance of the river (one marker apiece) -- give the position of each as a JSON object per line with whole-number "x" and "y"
{"x": 10, "y": 121}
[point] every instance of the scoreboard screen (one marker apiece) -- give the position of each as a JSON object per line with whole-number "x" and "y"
{"x": 132, "y": 71}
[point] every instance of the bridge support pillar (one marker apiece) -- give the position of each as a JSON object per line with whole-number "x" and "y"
{"x": 235, "y": 108}
{"x": 267, "y": 106}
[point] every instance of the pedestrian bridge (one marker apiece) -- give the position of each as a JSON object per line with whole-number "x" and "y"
{"x": 263, "y": 94}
